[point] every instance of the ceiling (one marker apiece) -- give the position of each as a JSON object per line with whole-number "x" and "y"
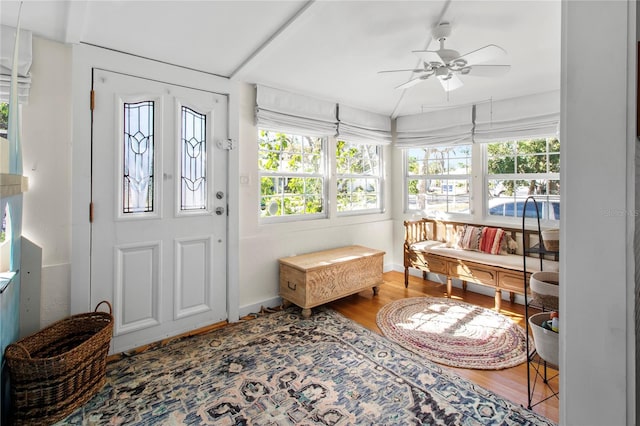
{"x": 327, "y": 49}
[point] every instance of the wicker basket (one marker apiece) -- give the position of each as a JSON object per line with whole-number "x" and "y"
{"x": 551, "y": 239}
{"x": 545, "y": 289}
{"x": 59, "y": 368}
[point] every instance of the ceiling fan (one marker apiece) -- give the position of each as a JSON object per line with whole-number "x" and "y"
{"x": 446, "y": 64}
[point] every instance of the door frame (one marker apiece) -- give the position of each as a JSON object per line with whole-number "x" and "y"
{"x": 85, "y": 59}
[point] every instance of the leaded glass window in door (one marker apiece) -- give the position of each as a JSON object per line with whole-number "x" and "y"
{"x": 193, "y": 160}
{"x": 138, "y": 158}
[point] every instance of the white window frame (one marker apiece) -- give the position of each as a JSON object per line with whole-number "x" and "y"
{"x": 548, "y": 176}
{"x": 426, "y": 211}
{"x": 378, "y": 175}
{"x": 322, "y": 174}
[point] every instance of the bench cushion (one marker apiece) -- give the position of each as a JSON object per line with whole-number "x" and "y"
{"x": 507, "y": 261}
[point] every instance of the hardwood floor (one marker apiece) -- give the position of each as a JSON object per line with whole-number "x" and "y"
{"x": 510, "y": 383}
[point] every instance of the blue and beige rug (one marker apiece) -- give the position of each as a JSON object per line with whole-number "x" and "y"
{"x": 282, "y": 369}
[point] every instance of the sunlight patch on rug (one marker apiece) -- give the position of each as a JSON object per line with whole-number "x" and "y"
{"x": 454, "y": 333}
{"x": 283, "y": 369}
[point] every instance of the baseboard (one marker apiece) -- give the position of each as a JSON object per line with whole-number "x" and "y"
{"x": 257, "y": 307}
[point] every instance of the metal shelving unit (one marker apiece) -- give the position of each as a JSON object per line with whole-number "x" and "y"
{"x": 536, "y": 366}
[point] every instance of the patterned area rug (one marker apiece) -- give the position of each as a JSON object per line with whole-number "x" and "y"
{"x": 454, "y": 333}
{"x": 282, "y": 369}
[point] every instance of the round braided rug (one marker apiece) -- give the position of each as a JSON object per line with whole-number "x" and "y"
{"x": 454, "y": 333}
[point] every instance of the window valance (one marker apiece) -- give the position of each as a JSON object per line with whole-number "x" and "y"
{"x": 452, "y": 126}
{"x": 359, "y": 126}
{"x": 525, "y": 117}
{"x": 7, "y": 44}
{"x": 290, "y": 112}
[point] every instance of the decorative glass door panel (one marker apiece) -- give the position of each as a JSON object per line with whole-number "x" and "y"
{"x": 193, "y": 173}
{"x": 138, "y": 158}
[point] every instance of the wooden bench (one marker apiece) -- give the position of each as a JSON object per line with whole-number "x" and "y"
{"x": 312, "y": 279}
{"x": 492, "y": 270}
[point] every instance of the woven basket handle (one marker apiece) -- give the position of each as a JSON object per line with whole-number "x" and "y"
{"x": 108, "y": 304}
{"x": 22, "y": 348}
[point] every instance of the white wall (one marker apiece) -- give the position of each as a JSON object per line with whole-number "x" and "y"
{"x": 46, "y": 141}
{"x": 261, "y": 245}
{"x": 597, "y": 134}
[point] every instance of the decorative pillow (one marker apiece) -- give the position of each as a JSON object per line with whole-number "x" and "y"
{"x": 470, "y": 239}
{"x": 491, "y": 240}
{"x": 509, "y": 245}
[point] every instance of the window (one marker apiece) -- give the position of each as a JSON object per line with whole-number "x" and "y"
{"x": 5, "y": 240}
{"x": 359, "y": 177}
{"x": 193, "y": 160}
{"x": 138, "y": 158}
{"x": 438, "y": 179}
{"x": 292, "y": 175}
{"x": 4, "y": 119}
{"x": 519, "y": 169}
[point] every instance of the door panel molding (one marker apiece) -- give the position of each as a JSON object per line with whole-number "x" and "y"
{"x": 193, "y": 283}
{"x": 139, "y": 305}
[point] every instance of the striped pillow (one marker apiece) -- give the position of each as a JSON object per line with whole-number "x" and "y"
{"x": 470, "y": 239}
{"x": 491, "y": 240}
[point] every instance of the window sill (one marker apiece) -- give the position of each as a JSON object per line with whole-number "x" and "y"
{"x": 11, "y": 184}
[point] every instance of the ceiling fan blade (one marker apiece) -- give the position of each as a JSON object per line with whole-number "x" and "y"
{"x": 489, "y": 70}
{"x": 429, "y": 56}
{"x": 412, "y": 82}
{"x": 451, "y": 83}
{"x": 408, "y": 70}
{"x": 484, "y": 54}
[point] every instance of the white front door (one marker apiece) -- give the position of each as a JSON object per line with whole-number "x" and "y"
{"x": 159, "y": 196}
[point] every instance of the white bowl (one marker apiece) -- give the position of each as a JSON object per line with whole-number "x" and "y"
{"x": 546, "y": 341}
{"x": 545, "y": 287}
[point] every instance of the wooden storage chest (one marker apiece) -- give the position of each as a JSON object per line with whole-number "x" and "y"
{"x": 312, "y": 279}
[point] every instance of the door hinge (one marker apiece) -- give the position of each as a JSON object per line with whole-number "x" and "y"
{"x": 91, "y": 212}
{"x": 93, "y": 100}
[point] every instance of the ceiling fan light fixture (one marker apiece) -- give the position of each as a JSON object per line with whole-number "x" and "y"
{"x": 443, "y": 73}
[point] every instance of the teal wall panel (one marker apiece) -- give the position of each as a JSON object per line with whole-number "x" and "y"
{"x": 10, "y": 299}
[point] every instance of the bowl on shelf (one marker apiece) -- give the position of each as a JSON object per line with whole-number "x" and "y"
{"x": 545, "y": 341}
{"x": 551, "y": 239}
{"x": 545, "y": 287}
